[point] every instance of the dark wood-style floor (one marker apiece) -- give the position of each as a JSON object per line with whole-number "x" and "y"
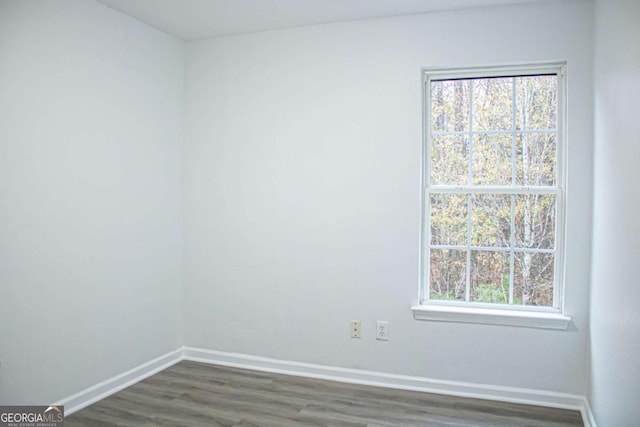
{"x": 196, "y": 394}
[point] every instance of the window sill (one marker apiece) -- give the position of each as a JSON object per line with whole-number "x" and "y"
{"x": 488, "y": 316}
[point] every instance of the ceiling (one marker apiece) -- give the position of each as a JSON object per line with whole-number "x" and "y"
{"x": 200, "y": 19}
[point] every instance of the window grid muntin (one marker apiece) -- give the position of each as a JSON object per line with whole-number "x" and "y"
{"x": 467, "y": 289}
{"x": 470, "y": 189}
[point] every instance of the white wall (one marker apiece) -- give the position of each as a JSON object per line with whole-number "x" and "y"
{"x": 302, "y": 181}
{"x": 90, "y": 199}
{"x": 615, "y": 317}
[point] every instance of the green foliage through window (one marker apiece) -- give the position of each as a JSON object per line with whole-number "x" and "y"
{"x": 492, "y": 189}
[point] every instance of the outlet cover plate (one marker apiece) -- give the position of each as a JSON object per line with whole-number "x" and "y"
{"x": 382, "y": 330}
{"x": 356, "y": 329}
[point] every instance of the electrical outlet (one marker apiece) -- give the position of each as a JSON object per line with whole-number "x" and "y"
{"x": 382, "y": 330}
{"x": 356, "y": 329}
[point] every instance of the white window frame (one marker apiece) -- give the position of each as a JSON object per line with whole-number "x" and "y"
{"x": 498, "y": 314}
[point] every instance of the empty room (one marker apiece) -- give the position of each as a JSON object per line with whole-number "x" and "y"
{"x": 319, "y": 213}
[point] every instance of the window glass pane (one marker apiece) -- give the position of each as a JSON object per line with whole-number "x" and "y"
{"x": 493, "y": 104}
{"x": 533, "y": 279}
{"x": 536, "y": 102}
{"x": 492, "y": 163}
{"x": 489, "y": 277}
{"x": 535, "y": 218}
{"x": 536, "y": 159}
{"x": 450, "y": 105}
{"x": 447, "y": 277}
{"x": 490, "y": 220}
{"x": 449, "y": 160}
{"x": 449, "y": 219}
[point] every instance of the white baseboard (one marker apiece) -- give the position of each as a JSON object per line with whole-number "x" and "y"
{"x": 587, "y": 414}
{"x": 113, "y": 385}
{"x": 404, "y": 382}
{"x": 354, "y": 376}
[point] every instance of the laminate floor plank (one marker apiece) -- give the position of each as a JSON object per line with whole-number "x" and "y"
{"x": 195, "y": 394}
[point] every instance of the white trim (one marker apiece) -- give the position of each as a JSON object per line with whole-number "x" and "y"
{"x": 332, "y": 373}
{"x": 587, "y": 414}
{"x": 119, "y": 382}
{"x": 492, "y": 132}
{"x": 493, "y": 189}
{"x": 489, "y": 316}
{"x": 447, "y": 73}
{"x": 493, "y": 249}
{"x": 379, "y": 379}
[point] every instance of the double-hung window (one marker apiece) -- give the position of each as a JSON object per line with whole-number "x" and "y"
{"x": 493, "y": 196}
